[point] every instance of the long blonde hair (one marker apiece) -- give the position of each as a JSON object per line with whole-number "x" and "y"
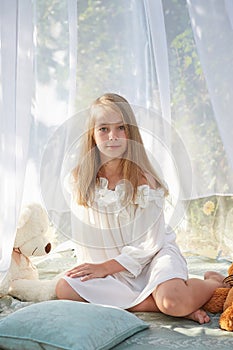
{"x": 86, "y": 173}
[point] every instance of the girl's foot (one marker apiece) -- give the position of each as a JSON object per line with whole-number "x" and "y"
{"x": 216, "y": 277}
{"x": 199, "y": 316}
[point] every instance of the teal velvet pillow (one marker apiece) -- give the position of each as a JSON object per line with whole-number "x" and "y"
{"x": 64, "y": 324}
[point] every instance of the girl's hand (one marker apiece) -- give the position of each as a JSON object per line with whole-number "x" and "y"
{"x": 88, "y": 271}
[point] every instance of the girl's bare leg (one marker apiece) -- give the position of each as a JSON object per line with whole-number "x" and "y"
{"x": 214, "y": 275}
{"x": 174, "y": 297}
{"x": 185, "y": 298}
{"x": 147, "y": 305}
{"x": 65, "y": 291}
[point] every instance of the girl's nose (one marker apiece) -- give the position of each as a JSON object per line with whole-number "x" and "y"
{"x": 112, "y": 135}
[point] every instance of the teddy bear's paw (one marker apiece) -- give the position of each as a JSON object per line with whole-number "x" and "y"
{"x": 226, "y": 319}
{"x": 229, "y": 299}
{"x": 33, "y": 290}
{"x": 215, "y": 304}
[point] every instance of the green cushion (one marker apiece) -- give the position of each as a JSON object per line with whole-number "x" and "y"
{"x": 64, "y": 324}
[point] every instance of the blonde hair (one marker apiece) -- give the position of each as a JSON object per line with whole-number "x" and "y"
{"x": 86, "y": 174}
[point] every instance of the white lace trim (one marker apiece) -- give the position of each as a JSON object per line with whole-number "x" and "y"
{"x": 105, "y": 196}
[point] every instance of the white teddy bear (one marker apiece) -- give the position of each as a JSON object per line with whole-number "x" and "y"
{"x": 33, "y": 238}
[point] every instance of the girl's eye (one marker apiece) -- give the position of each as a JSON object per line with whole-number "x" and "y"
{"x": 103, "y": 129}
{"x": 122, "y": 127}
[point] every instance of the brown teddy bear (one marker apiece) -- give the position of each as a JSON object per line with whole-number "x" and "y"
{"x": 222, "y": 302}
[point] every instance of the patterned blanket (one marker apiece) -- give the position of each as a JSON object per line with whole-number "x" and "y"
{"x": 165, "y": 332}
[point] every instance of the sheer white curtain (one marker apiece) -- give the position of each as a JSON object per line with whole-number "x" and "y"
{"x": 213, "y": 32}
{"x": 25, "y": 122}
{"x": 16, "y": 92}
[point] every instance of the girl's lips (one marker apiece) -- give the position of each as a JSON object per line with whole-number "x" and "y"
{"x": 113, "y": 146}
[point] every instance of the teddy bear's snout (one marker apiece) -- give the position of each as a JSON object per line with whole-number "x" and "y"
{"x": 48, "y": 248}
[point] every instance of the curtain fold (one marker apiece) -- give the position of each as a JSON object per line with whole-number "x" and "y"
{"x": 16, "y": 71}
{"x": 213, "y": 33}
{"x": 158, "y": 45}
{"x": 73, "y": 55}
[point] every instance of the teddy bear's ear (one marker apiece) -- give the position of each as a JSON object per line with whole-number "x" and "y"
{"x": 24, "y": 217}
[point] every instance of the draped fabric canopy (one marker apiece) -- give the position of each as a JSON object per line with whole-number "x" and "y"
{"x": 172, "y": 60}
{"x": 16, "y": 68}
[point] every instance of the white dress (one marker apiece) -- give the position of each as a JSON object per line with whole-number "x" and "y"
{"x": 133, "y": 233}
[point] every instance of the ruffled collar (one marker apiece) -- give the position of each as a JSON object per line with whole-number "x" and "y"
{"x": 105, "y": 197}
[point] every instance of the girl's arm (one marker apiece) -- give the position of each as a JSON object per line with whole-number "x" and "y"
{"x": 89, "y": 271}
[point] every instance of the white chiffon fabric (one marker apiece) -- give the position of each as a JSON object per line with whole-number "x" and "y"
{"x": 131, "y": 233}
{"x": 49, "y": 71}
{"x": 213, "y": 32}
{"x": 16, "y": 96}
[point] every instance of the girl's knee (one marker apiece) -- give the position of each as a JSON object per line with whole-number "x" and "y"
{"x": 61, "y": 289}
{"x": 65, "y": 291}
{"x": 168, "y": 304}
{"x": 172, "y": 302}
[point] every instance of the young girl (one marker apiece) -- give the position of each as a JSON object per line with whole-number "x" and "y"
{"x": 126, "y": 257}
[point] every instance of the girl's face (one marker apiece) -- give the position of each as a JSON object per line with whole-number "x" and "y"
{"x": 110, "y": 135}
